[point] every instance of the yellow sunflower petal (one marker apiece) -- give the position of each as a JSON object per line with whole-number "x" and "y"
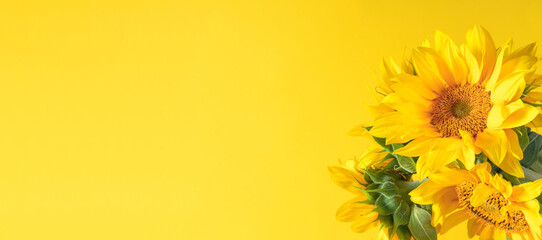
{"x": 513, "y": 143}
{"x": 515, "y": 236}
{"x": 359, "y": 131}
{"x": 416, "y": 86}
{"x": 502, "y": 185}
{"x": 417, "y": 147}
{"x": 474, "y": 227}
{"x": 434, "y": 161}
{"x": 445, "y": 203}
{"x": 362, "y": 224}
{"x": 520, "y": 60}
{"x": 520, "y": 117}
{"x": 509, "y": 89}
{"x": 480, "y": 43}
{"x": 468, "y": 158}
{"x": 497, "y": 115}
{"x": 449, "y": 177}
{"x": 424, "y": 193}
{"x": 535, "y": 221}
{"x": 492, "y": 81}
{"x": 526, "y": 191}
{"x": 429, "y": 66}
{"x": 489, "y": 233}
{"x": 353, "y": 209}
{"x": 468, "y": 155}
{"x": 371, "y": 156}
{"x": 346, "y": 179}
{"x": 510, "y": 164}
{"x": 481, "y": 194}
{"x": 529, "y": 49}
{"x": 453, "y": 220}
{"x": 452, "y": 56}
{"x": 490, "y": 142}
{"x": 472, "y": 63}
{"x": 483, "y": 172}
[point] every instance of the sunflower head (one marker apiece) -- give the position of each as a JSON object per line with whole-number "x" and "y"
{"x": 493, "y": 207}
{"x": 381, "y": 195}
{"x": 461, "y": 108}
{"x": 460, "y": 101}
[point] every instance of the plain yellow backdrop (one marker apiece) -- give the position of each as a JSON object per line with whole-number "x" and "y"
{"x": 200, "y": 119}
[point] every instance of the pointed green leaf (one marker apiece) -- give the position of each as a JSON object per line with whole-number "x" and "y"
{"x": 367, "y": 178}
{"x": 420, "y": 224}
{"x": 403, "y": 233}
{"x": 401, "y": 216}
{"x": 392, "y": 164}
{"x": 523, "y": 136}
{"x": 371, "y": 195}
{"x": 530, "y": 154}
{"x": 406, "y": 163}
{"x": 385, "y": 205}
{"x": 531, "y": 175}
{"x": 386, "y": 221}
{"x": 380, "y": 176}
{"x": 388, "y": 189}
{"x": 539, "y": 198}
{"x": 382, "y": 143}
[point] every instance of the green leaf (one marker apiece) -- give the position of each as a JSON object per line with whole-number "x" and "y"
{"x": 406, "y": 163}
{"x": 388, "y": 189}
{"x": 537, "y": 166}
{"x": 523, "y": 136}
{"x": 367, "y": 178}
{"x": 405, "y": 187}
{"x": 539, "y": 198}
{"x": 530, "y": 154}
{"x": 392, "y": 164}
{"x": 380, "y": 176}
{"x": 401, "y": 215}
{"x": 512, "y": 179}
{"x": 531, "y": 175}
{"x": 371, "y": 195}
{"x": 386, "y": 221}
{"x": 382, "y": 143}
{"x": 385, "y": 205}
{"x": 420, "y": 224}
{"x": 403, "y": 233}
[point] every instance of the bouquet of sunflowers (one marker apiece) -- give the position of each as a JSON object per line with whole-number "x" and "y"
{"x": 454, "y": 141}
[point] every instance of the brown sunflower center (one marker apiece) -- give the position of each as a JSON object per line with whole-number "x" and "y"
{"x": 461, "y": 108}
{"x": 490, "y": 212}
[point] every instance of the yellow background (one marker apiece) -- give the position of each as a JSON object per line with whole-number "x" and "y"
{"x": 199, "y": 119}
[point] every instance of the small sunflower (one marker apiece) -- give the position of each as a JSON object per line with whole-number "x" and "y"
{"x": 350, "y": 178}
{"x": 493, "y": 207}
{"x": 381, "y": 199}
{"x": 361, "y": 210}
{"x": 459, "y": 102}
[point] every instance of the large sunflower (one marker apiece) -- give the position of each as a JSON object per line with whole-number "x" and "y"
{"x": 459, "y": 102}
{"x": 493, "y": 207}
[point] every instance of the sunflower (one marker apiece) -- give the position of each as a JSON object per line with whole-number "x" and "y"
{"x": 459, "y": 102}
{"x": 350, "y": 177}
{"x": 493, "y": 207}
